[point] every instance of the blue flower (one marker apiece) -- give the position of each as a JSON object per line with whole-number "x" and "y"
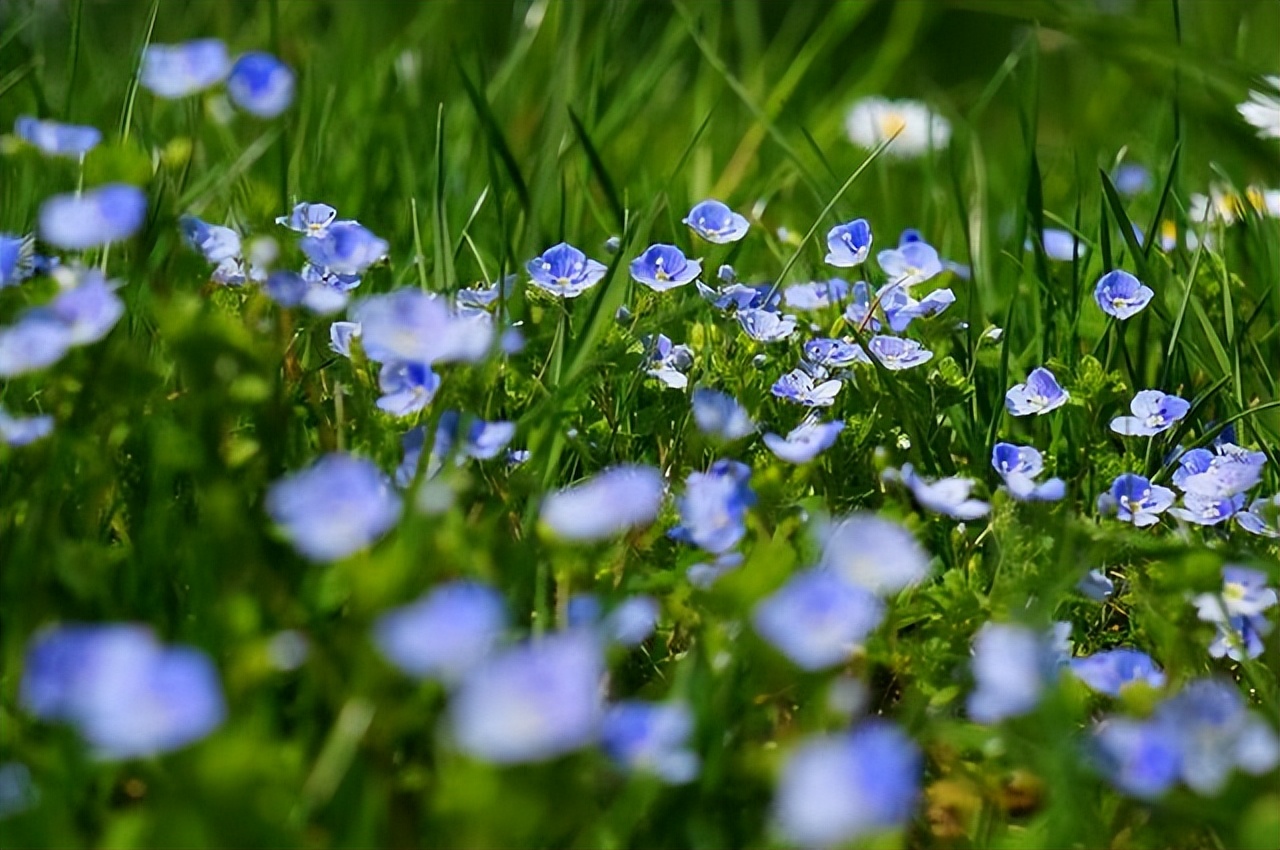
{"x": 335, "y": 507}
{"x": 740, "y": 296}
{"x": 215, "y": 242}
{"x": 946, "y": 496}
{"x": 1220, "y": 474}
{"x": 88, "y": 307}
{"x": 1153, "y": 412}
{"x": 836, "y": 789}
{"x": 1060, "y": 245}
{"x": 565, "y": 271}
{"x": 38, "y": 340}
{"x": 817, "y": 619}
{"x": 874, "y": 553}
{"x": 290, "y": 289}
{"x": 797, "y": 386}
{"x": 311, "y": 219}
{"x": 1262, "y": 517}
{"x": 897, "y": 353}
{"x": 127, "y": 695}
{"x": 532, "y": 702}
{"x": 610, "y": 503}
{"x": 817, "y": 295}
{"x": 766, "y": 326}
{"x": 16, "y": 259}
{"x": 1142, "y": 758}
{"x": 1121, "y": 295}
{"x": 1019, "y": 466}
{"x": 406, "y": 387}
{"x": 1112, "y": 671}
{"x": 413, "y": 326}
{"x": 260, "y": 84}
{"x": 703, "y": 575}
{"x": 346, "y": 247}
{"x": 1012, "y": 665}
{"x": 726, "y": 274}
{"x": 910, "y": 264}
{"x": 651, "y": 738}
{"x": 55, "y": 138}
{"x": 1217, "y": 734}
{"x": 482, "y": 297}
{"x": 1207, "y": 510}
{"x": 1244, "y": 593}
{"x": 719, "y": 415}
{"x": 715, "y": 222}
{"x": 1134, "y": 499}
{"x": 714, "y": 507}
{"x": 834, "y": 353}
{"x": 1096, "y": 585}
{"x": 804, "y": 442}
{"x": 632, "y": 621}
{"x": 23, "y": 430}
{"x": 848, "y": 244}
{"x": 900, "y": 309}
{"x": 445, "y": 633}
{"x": 668, "y": 363}
{"x": 178, "y": 70}
{"x": 1132, "y": 179}
{"x": 109, "y": 213}
{"x": 663, "y": 267}
{"x": 341, "y": 335}
{"x": 1240, "y": 637}
{"x": 1039, "y": 395}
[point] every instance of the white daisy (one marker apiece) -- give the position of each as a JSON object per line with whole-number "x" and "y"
{"x": 874, "y": 119}
{"x": 1262, "y": 110}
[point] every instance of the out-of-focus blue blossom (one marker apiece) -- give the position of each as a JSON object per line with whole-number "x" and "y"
{"x": 1262, "y": 517}
{"x": 290, "y": 289}
{"x": 663, "y": 267}
{"x": 23, "y": 430}
{"x": 56, "y": 138}
{"x": 632, "y": 621}
{"x": 16, "y": 259}
{"x": 17, "y": 792}
{"x": 87, "y": 307}
{"x": 715, "y": 222}
{"x": 346, "y": 247}
{"x": 583, "y": 611}
{"x": 1217, "y": 734}
{"x": 127, "y": 695}
{"x": 75, "y": 222}
{"x": 804, "y": 442}
{"x": 308, "y": 218}
{"x": 848, "y": 244}
{"x": 260, "y": 84}
{"x": 703, "y": 575}
{"x": 667, "y": 362}
{"x": 1153, "y": 412}
{"x": 946, "y": 496}
{"x": 482, "y": 441}
{"x": 1135, "y": 499}
{"x": 1141, "y": 758}
{"x": 413, "y": 326}
{"x": 1096, "y": 585}
{"x": 1012, "y": 666}
{"x": 1060, "y": 245}
{"x": 1132, "y": 179}
{"x": 1206, "y": 510}
{"x": 719, "y": 415}
{"x": 834, "y": 353}
{"x": 897, "y": 353}
{"x": 565, "y": 271}
{"x": 215, "y": 242}
{"x": 1019, "y": 466}
{"x": 338, "y": 505}
{"x": 714, "y": 507}
{"x": 37, "y": 340}
{"x": 606, "y": 505}
{"x": 445, "y": 633}
{"x": 1240, "y": 637}
{"x": 816, "y": 295}
{"x": 910, "y": 264}
{"x": 765, "y": 325}
{"x": 797, "y": 386}
{"x": 1121, "y": 295}
{"x": 1112, "y": 671}
{"x": 874, "y": 553}
{"x": 406, "y": 387}
{"x": 739, "y": 296}
{"x": 651, "y": 738}
{"x": 341, "y": 335}
{"x": 532, "y": 702}
{"x": 178, "y": 70}
{"x": 1222, "y": 473}
{"x": 483, "y": 296}
{"x": 817, "y": 619}
{"x": 1039, "y": 395}
{"x": 835, "y": 789}
{"x": 900, "y": 309}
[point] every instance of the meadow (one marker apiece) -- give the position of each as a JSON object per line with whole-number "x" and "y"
{"x": 639, "y": 423}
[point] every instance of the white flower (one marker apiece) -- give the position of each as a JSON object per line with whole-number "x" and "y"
{"x": 1262, "y": 110}
{"x": 874, "y": 119}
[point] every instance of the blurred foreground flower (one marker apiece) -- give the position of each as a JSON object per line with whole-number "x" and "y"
{"x": 872, "y": 120}
{"x": 335, "y": 507}
{"x": 1262, "y": 109}
{"x": 611, "y": 503}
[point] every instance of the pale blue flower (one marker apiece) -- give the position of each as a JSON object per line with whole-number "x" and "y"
{"x": 667, "y": 362}
{"x": 1096, "y": 585}
{"x": 1012, "y": 666}
{"x": 910, "y": 264}
{"x": 1262, "y": 517}
{"x": 1019, "y": 466}
{"x": 740, "y": 296}
{"x": 346, "y": 247}
{"x": 37, "y": 341}
{"x": 1244, "y": 594}
{"x": 834, "y": 353}
{"x": 1039, "y": 395}
{"x": 817, "y": 295}
{"x": 719, "y": 415}
{"x": 290, "y": 289}
{"x": 804, "y": 442}
{"x": 1121, "y": 295}
{"x": 946, "y": 496}
{"x": 17, "y": 255}
{"x": 56, "y": 138}
{"x": 609, "y": 504}
{"x": 1132, "y": 179}
{"x": 1240, "y": 637}
{"x": 664, "y": 267}
{"x": 798, "y": 387}
{"x": 341, "y": 335}
{"x": 900, "y": 309}
{"x": 87, "y": 307}
{"x": 765, "y": 325}
{"x": 311, "y": 219}
{"x": 178, "y": 70}
{"x": 1217, "y": 734}
{"x": 23, "y": 430}
{"x": 848, "y": 244}
{"x": 1140, "y": 757}
{"x": 215, "y": 242}
{"x": 1134, "y": 499}
{"x": 715, "y": 222}
{"x": 714, "y": 507}
{"x": 445, "y": 633}
{"x": 632, "y": 621}
{"x": 651, "y": 738}
{"x": 335, "y": 507}
{"x": 898, "y": 353}
{"x": 565, "y": 271}
{"x": 703, "y": 575}
{"x": 261, "y": 84}
{"x": 75, "y": 222}
{"x": 1060, "y": 245}
{"x": 1110, "y": 672}
{"x": 1226, "y": 471}
{"x": 482, "y": 296}
{"x": 1153, "y": 412}
{"x": 406, "y": 387}
{"x": 874, "y": 553}
{"x": 413, "y": 326}
{"x": 817, "y": 619}
{"x": 726, "y": 274}
{"x": 1207, "y": 510}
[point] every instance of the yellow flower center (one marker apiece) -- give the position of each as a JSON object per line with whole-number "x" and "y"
{"x": 891, "y": 123}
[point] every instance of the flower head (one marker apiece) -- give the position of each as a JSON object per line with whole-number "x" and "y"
{"x": 1019, "y": 466}
{"x": 565, "y": 271}
{"x": 17, "y": 259}
{"x": 797, "y": 386}
{"x": 715, "y": 222}
{"x": 23, "y": 430}
{"x": 910, "y": 264}
{"x": 816, "y": 295}
{"x": 611, "y": 503}
{"x": 900, "y": 309}
{"x": 1132, "y": 179}
{"x": 1225, "y": 472}
{"x": 178, "y": 70}
{"x": 663, "y": 267}
{"x": 409, "y": 325}
{"x": 406, "y": 387}
{"x": 919, "y": 129}
{"x": 1134, "y": 499}
{"x": 875, "y": 553}
{"x": 346, "y": 247}
{"x": 765, "y": 325}
{"x": 1039, "y": 395}
{"x": 1262, "y": 517}
{"x": 834, "y": 353}
{"x": 651, "y": 738}
{"x": 804, "y": 442}
{"x": 445, "y": 633}
{"x": 1096, "y": 585}
{"x": 1012, "y": 665}
{"x": 719, "y": 415}
{"x": 37, "y": 341}
{"x": 714, "y": 506}
{"x": 1121, "y": 295}
{"x": 1061, "y": 245}
{"x": 215, "y": 242}
{"x": 816, "y": 619}
{"x": 55, "y": 138}
{"x": 311, "y": 219}
{"x": 898, "y": 353}
{"x": 109, "y": 213}
{"x": 1208, "y": 510}
{"x": 848, "y": 244}
{"x": 667, "y": 362}
{"x": 1112, "y": 671}
{"x": 946, "y": 496}
{"x": 1262, "y": 109}
{"x": 1153, "y": 412}
{"x": 338, "y": 505}
{"x": 87, "y": 307}
{"x": 261, "y": 84}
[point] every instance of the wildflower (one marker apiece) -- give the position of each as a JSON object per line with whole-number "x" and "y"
{"x": 1132, "y": 179}
{"x": 88, "y": 307}
{"x": 482, "y": 441}
{"x": 290, "y": 289}
{"x": 565, "y": 271}
{"x": 835, "y": 789}
{"x": 900, "y": 309}
{"x": 848, "y": 244}
{"x": 663, "y": 267}
{"x": 1012, "y": 665}
{"x": 1262, "y": 109}
{"x": 1207, "y": 510}
{"x": 874, "y": 553}
{"x": 23, "y": 430}
{"x": 719, "y": 415}
{"x": 419, "y": 327}
{"x": 1019, "y": 466}
{"x": 1217, "y": 734}
{"x": 1153, "y": 412}
{"x": 406, "y": 387}
{"x": 482, "y": 297}
{"x": 1121, "y": 295}
{"x": 346, "y": 247}
{"x": 766, "y": 326}
{"x": 704, "y": 575}
{"x": 127, "y": 695}
{"x": 1060, "y": 245}
{"x": 817, "y": 295}
{"x": 726, "y": 274}
{"x": 1112, "y": 671}
{"x": 1244, "y": 594}
{"x": 38, "y": 340}
{"x": 805, "y": 442}
{"x": 714, "y": 507}
{"x": 740, "y": 296}
{"x": 445, "y": 633}
{"x": 1096, "y": 585}
{"x": 56, "y": 138}
{"x": 1226, "y": 471}
{"x": 215, "y": 242}
{"x": 834, "y": 353}
{"x": 531, "y": 702}
{"x": 611, "y": 503}
{"x": 668, "y": 363}
{"x": 1039, "y": 395}
{"x": 1134, "y": 499}
{"x": 796, "y": 386}
{"x": 311, "y": 219}
{"x": 897, "y": 353}
{"x": 16, "y": 259}
{"x": 109, "y": 213}
{"x": 910, "y": 264}
{"x": 946, "y": 496}
{"x": 816, "y": 619}
{"x": 716, "y": 223}
{"x": 341, "y": 335}
{"x": 1262, "y": 517}
{"x": 338, "y": 505}
{"x": 1140, "y": 757}
{"x": 260, "y": 84}
{"x": 651, "y": 738}
{"x": 632, "y": 621}
{"x": 920, "y": 130}
{"x": 177, "y": 70}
